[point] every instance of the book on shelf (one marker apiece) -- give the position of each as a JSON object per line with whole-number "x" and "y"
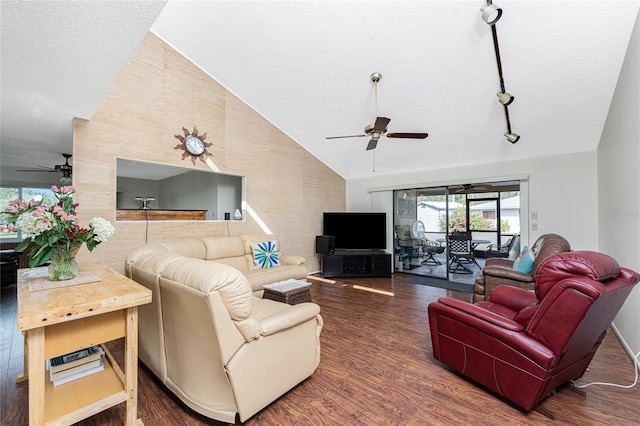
{"x": 76, "y": 364}
{"x": 77, "y": 373}
{"x": 74, "y": 370}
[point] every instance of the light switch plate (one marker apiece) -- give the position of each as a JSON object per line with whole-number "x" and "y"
{"x": 534, "y": 215}
{"x": 534, "y": 226}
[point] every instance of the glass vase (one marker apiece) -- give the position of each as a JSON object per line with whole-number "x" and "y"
{"x": 63, "y": 262}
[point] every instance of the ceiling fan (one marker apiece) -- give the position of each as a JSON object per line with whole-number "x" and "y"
{"x": 469, "y": 186}
{"x": 379, "y": 127}
{"x": 65, "y": 169}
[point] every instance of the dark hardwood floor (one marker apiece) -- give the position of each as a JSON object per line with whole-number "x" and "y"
{"x": 376, "y": 369}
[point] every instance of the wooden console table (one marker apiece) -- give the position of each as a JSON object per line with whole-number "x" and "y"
{"x": 61, "y": 320}
{"x": 161, "y": 214}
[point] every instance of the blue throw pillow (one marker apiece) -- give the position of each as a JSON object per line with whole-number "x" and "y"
{"x": 524, "y": 262}
{"x": 265, "y": 255}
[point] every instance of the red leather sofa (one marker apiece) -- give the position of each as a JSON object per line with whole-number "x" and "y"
{"x": 523, "y": 344}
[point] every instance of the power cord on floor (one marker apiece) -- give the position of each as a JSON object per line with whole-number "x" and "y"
{"x": 636, "y": 365}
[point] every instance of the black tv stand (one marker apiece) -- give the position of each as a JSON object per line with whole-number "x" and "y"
{"x": 357, "y": 263}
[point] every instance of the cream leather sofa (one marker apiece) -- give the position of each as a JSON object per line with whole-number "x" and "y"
{"x": 234, "y": 251}
{"x": 210, "y": 337}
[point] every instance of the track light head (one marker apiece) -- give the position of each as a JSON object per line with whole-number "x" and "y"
{"x": 490, "y": 13}
{"x": 512, "y": 137}
{"x": 505, "y": 98}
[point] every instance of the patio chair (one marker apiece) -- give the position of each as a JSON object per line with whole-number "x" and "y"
{"x": 429, "y": 248}
{"x": 406, "y": 242}
{"x": 460, "y": 251}
{"x": 502, "y": 250}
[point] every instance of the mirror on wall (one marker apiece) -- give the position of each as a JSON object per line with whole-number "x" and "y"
{"x": 172, "y": 188}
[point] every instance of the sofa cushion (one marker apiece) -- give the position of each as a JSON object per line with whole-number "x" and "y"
{"x": 250, "y": 239}
{"x": 205, "y": 276}
{"x": 157, "y": 262}
{"x": 223, "y": 247}
{"x": 188, "y": 247}
{"x": 241, "y": 263}
{"x": 145, "y": 250}
{"x": 265, "y": 255}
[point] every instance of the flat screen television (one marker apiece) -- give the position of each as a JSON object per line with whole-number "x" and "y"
{"x": 356, "y": 231}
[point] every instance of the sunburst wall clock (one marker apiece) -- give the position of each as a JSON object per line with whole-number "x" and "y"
{"x": 193, "y": 145}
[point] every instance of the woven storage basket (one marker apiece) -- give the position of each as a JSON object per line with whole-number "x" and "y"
{"x": 292, "y": 297}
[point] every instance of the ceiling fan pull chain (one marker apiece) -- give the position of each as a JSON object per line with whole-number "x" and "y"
{"x": 374, "y": 160}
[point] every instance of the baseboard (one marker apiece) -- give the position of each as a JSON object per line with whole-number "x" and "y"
{"x": 625, "y": 345}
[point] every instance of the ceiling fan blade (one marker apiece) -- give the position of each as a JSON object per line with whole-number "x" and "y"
{"x": 380, "y": 125}
{"x": 372, "y": 144}
{"x": 408, "y": 135}
{"x": 341, "y": 137}
{"x": 65, "y": 168}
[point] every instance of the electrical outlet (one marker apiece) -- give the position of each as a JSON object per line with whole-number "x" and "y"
{"x": 534, "y": 215}
{"x": 534, "y": 226}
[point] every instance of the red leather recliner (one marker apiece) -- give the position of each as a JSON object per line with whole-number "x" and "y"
{"x": 522, "y": 345}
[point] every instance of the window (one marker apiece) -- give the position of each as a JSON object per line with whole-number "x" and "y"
{"x": 8, "y": 234}
{"x": 489, "y": 215}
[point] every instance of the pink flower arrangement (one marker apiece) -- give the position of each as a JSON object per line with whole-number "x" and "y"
{"x": 7, "y": 227}
{"x": 48, "y": 227}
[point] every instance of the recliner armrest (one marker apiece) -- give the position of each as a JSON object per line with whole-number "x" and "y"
{"x": 499, "y": 261}
{"x": 481, "y": 313}
{"x": 288, "y": 318}
{"x": 465, "y": 322}
{"x": 508, "y": 273}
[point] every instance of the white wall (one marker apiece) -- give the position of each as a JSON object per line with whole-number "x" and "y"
{"x": 561, "y": 189}
{"x": 193, "y": 190}
{"x": 129, "y": 189}
{"x": 619, "y": 185}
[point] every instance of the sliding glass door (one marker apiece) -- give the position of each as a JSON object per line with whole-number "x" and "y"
{"x": 424, "y": 217}
{"x": 420, "y": 220}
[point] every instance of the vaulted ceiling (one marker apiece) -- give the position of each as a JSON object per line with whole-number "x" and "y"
{"x": 306, "y": 66}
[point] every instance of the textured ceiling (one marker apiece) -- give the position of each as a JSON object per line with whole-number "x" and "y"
{"x": 59, "y": 59}
{"x": 305, "y": 66}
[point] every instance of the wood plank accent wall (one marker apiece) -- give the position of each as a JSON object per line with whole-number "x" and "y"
{"x": 159, "y": 92}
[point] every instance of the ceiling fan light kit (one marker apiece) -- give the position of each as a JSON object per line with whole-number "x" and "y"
{"x": 491, "y": 14}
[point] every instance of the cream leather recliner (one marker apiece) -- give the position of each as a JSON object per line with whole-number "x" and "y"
{"x": 221, "y": 349}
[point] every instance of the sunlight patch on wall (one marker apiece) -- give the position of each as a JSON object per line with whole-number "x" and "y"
{"x": 246, "y": 207}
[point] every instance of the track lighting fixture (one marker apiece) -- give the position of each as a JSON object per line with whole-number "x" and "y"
{"x": 505, "y": 98}
{"x": 512, "y": 137}
{"x": 490, "y": 13}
